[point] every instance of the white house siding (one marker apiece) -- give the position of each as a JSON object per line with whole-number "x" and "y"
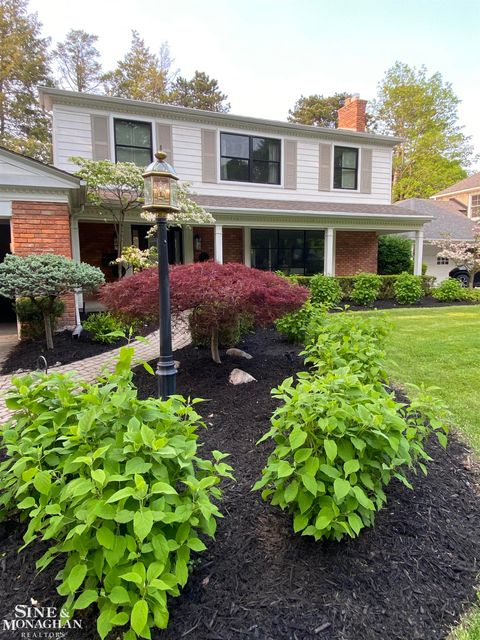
{"x": 72, "y": 137}
{"x": 440, "y": 271}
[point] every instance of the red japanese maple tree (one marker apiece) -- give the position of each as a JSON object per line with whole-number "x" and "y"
{"x": 216, "y": 294}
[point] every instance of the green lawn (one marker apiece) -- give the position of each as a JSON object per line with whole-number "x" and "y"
{"x": 441, "y": 347}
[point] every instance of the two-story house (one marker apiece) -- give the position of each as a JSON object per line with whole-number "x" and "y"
{"x": 284, "y": 196}
{"x": 465, "y": 195}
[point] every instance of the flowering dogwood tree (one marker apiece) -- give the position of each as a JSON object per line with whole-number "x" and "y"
{"x": 462, "y": 253}
{"x": 217, "y": 295}
{"x": 116, "y": 188}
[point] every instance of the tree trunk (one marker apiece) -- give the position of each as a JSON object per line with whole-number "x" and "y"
{"x": 48, "y": 329}
{"x": 214, "y": 346}
{"x": 471, "y": 278}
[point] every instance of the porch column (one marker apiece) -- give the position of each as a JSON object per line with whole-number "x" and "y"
{"x": 218, "y": 243}
{"x": 418, "y": 257}
{"x": 75, "y": 239}
{"x": 469, "y": 206}
{"x": 187, "y": 245}
{"x": 247, "y": 246}
{"x": 329, "y": 266}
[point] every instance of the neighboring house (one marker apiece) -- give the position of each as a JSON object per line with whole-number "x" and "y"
{"x": 466, "y": 194}
{"x": 448, "y": 219}
{"x": 284, "y": 196}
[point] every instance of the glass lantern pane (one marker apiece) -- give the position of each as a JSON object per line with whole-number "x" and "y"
{"x": 173, "y": 193}
{"x": 148, "y": 191}
{"x": 161, "y": 190}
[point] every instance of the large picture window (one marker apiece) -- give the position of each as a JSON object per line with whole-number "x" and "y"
{"x": 345, "y": 171}
{"x": 249, "y": 159}
{"x": 133, "y": 142}
{"x": 289, "y": 250}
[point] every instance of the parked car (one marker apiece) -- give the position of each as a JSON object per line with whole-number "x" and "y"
{"x": 461, "y": 274}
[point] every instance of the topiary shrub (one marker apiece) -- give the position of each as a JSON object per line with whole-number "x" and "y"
{"x": 43, "y": 279}
{"x": 105, "y": 327}
{"x": 408, "y": 289}
{"x": 449, "y": 290}
{"x": 394, "y": 255}
{"x": 297, "y": 326}
{"x": 366, "y": 288}
{"x": 31, "y": 317}
{"x": 340, "y": 436}
{"x": 325, "y": 290}
{"x": 222, "y": 293}
{"x": 117, "y": 488}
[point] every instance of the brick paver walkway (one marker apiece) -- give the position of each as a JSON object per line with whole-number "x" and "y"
{"x": 89, "y": 368}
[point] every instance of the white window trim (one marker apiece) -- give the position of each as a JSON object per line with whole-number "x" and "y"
{"x": 359, "y": 167}
{"x": 123, "y": 116}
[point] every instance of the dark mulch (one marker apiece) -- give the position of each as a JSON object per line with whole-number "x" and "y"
{"x": 411, "y": 577}
{"x": 67, "y": 349}
{"x": 427, "y": 301}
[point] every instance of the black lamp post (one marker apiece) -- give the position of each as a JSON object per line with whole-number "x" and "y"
{"x": 160, "y": 195}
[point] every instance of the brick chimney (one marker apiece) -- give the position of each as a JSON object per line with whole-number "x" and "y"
{"x": 353, "y": 114}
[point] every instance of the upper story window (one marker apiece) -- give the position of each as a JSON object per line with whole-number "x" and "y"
{"x": 475, "y": 210}
{"x": 249, "y": 159}
{"x": 133, "y": 142}
{"x": 345, "y": 168}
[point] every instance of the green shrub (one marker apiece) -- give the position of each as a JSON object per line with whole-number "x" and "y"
{"x": 471, "y": 295}
{"x": 105, "y": 327}
{"x": 339, "y": 442}
{"x": 366, "y": 288}
{"x": 31, "y": 316}
{"x": 229, "y": 335}
{"x": 298, "y": 325}
{"x": 340, "y": 435}
{"x": 116, "y": 485}
{"x": 449, "y": 290}
{"x": 325, "y": 290}
{"x": 408, "y": 289}
{"x": 394, "y": 255}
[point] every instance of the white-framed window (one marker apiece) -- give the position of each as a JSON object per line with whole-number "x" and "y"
{"x": 245, "y": 158}
{"x": 345, "y": 168}
{"x": 133, "y": 141}
{"x": 442, "y": 260}
{"x": 475, "y": 210}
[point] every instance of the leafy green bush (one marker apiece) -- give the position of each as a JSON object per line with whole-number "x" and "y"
{"x": 408, "y": 289}
{"x": 340, "y": 435}
{"x": 394, "y": 254}
{"x": 105, "y": 327}
{"x": 449, "y": 290}
{"x": 366, "y": 288}
{"x": 325, "y": 290}
{"x": 31, "y": 316}
{"x": 339, "y": 442}
{"x": 116, "y": 486}
{"x": 297, "y": 326}
{"x": 471, "y": 295}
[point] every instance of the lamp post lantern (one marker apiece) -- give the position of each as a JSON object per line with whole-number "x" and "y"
{"x": 160, "y": 193}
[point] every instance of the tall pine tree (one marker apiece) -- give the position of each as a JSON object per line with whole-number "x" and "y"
{"x": 317, "y": 110}
{"x": 77, "y": 61}
{"x": 422, "y": 110}
{"x": 201, "y": 92}
{"x": 24, "y": 64}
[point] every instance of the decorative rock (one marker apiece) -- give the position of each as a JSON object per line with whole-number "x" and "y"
{"x": 238, "y": 376}
{"x": 238, "y": 353}
{"x": 177, "y": 364}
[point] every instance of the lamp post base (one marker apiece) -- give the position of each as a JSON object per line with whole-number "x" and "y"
{"x": 166, "y": 373}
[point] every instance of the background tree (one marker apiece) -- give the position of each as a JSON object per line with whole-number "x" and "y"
{"x": 139, "y": 75}
{"x": 77, "y": 60}
{"x": 43, "y": 279}
{"x": 462, "y": 253}
{"x": 218, "y": 295}
{"x": 394, "y": 255}
{"x": 116, "y": 188}
{"x": 317, "y": 110}
{"x": 24, "y": 64}
{"x": 421, "y": 109}
{"x": 201, "y": 92}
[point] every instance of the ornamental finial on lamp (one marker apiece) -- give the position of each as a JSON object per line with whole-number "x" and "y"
{"x": 160, "y": 182}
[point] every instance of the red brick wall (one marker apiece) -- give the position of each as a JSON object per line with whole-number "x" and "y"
{"x": 44, "y": 227}
{"x": 207, "y": 244}
{"x": 355, "y": 251}
{"x": 97, "y": 246}
{"x": 232, "y": 245}
{"x": 353, "y": 114}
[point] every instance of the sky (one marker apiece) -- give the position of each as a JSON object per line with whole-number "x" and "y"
{"x": 266, "y": 53}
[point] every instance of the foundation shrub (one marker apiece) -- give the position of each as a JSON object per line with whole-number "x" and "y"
{"x": 105, "y": 327}
{"x": 325, "y": 290}
{"x": 297, "y": 326}
{"x": 449, "y": 290}
{"x": 366, "y": 288}
{"x": 30, "y": 315}
{"x": 408, "y": 288}
{"x": 116, "y": 486}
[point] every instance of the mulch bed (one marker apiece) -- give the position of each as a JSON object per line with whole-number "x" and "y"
{"x": 67, "y": 349}
{"x": 411, "y": 577}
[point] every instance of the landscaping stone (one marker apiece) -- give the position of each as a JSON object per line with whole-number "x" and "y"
{"x": 237, "y": 376}
{"x": 238, "y": 353}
